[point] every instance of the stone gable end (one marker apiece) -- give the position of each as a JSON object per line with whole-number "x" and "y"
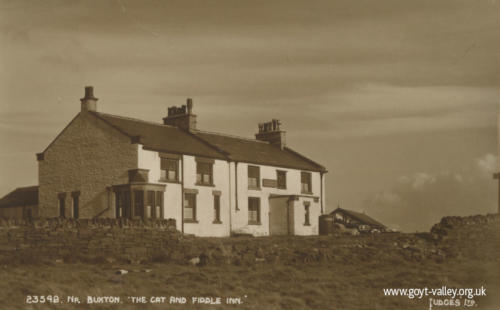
{"x": 88, "y": 156}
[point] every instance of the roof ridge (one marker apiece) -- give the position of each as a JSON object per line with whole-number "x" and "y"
{"x": 230, "y": 136}
{"x": 25, "y": 187}
{"x": 135, "y": 119}
{"x": 357, "y": 215}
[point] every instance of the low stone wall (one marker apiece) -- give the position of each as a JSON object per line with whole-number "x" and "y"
{"x": 449, "y": 223}
{"x": 84, "y": 240}
{"x": 137, "y": 241}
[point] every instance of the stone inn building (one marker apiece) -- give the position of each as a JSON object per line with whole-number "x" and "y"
{"x": 212, "y": 184}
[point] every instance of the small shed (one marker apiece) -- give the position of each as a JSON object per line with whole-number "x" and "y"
{"x": 355, "y": 219}
{"x": 349, "y": 219}
{"x": 21, "y": 203}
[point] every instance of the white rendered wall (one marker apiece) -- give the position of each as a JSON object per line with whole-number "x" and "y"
{"x": 205, "y": 199}
{"x": 299, "y": 217}
{"x": 293, "y": 180}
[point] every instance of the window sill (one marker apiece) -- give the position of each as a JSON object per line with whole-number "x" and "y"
{"x": 306, "y": 193}
{"x": 169, "y": 181}
{"x": 191, "y": 221}
{"x": 307, "y": 224}
{"x": 282, "y": 188}
{"x": 216, "y": 222}
{"x": 254, "y": 223}
{"x": 204, "y": 184}
{"x": 254, "y": 188}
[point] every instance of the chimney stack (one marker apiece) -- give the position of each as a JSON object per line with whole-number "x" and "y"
{"x": 89, "y": 102}
{"x": 181, "y": 117}
{"x": 271, "y": 132}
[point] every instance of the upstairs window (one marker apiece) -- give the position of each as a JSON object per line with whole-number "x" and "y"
{"x": 305, "y": 180}
{"x": 169, "y": 169}
{"x": 281, "y": 179}
{"x": 189, "y": 207}
{"x": 253, "y": 177}
{"x": 253, "y": 210}
{"x": 204, "y": 173}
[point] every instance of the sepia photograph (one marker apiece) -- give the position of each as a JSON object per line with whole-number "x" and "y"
{"x": 223, "y": 154}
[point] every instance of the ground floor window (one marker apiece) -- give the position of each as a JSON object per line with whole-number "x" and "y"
{"x": 76, "y": 204}
{"x": 159, "y": 205}
{"x": 143, "y": 203}
{"x": 189, "y": 207}
{"x": 149, "y": 209}
{"x": 253, "y": 210}
{"x": 62, "y": 205}
{"x": 306, "y": 213}
{"x": 217, "y": 209}
{"x": 123, "y": 204}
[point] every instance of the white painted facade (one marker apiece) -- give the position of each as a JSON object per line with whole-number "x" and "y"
{"x": 230, "y": 181}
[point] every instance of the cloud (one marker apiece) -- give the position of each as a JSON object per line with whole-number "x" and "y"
{"x": 488, "y": 164}
{"x": 418, "y": 201}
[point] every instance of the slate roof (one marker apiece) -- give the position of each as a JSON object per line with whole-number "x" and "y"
{"x": 361, "y": 217}
{"x": 159, "y": 137}
{"x": 258, "y": 152}
{"x": 21, "y": 196}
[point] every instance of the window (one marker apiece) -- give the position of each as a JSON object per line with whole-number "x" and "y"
{"x": 62, "y": 205}
{"x": 139, "y": 203}
{"x": 281, "y": 179}
{"x": 217, "y": 209}
{"x": 306, "y": 214}
{"x": 253, "y": 177}
{"x": 122, "y": 204}
{"x": 159, "y": 205}
{"x": 305, "y": 180}
{"x": 119, "y": 204}
{"x": 253, "y": 210}
{"x": 150, "y": 209}
{"x": 204, "y": 173}
{"x": 76, "y": 204}
{"x": 189, "y": 207}
{"x": 169, "y": 169}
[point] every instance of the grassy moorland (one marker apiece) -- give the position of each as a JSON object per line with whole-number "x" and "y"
{"x": 351, "y": 276}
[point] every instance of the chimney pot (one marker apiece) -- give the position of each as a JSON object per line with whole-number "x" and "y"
{"x": 89, "y": 92}
{"x": 189, "y": 103}
{"x": 272, "y": 133}
{"x": 89, "y": 102}
{"x": 181, "y": 117}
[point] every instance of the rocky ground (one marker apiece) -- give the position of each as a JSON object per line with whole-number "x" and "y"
{"x": 321, "y": 272}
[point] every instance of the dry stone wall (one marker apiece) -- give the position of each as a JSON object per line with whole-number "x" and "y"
{"x": 84, "y": 240}
{"x": 138, "y": 241}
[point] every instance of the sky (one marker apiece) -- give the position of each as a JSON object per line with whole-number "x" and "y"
{"x": 386, "y": 94}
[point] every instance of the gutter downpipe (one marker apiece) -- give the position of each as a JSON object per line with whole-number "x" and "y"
{"x": 182, "y": 194}
{"x": 236, "y": 186}
{"x": 321, "y": 190}
{"x": 230, "y": 195}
